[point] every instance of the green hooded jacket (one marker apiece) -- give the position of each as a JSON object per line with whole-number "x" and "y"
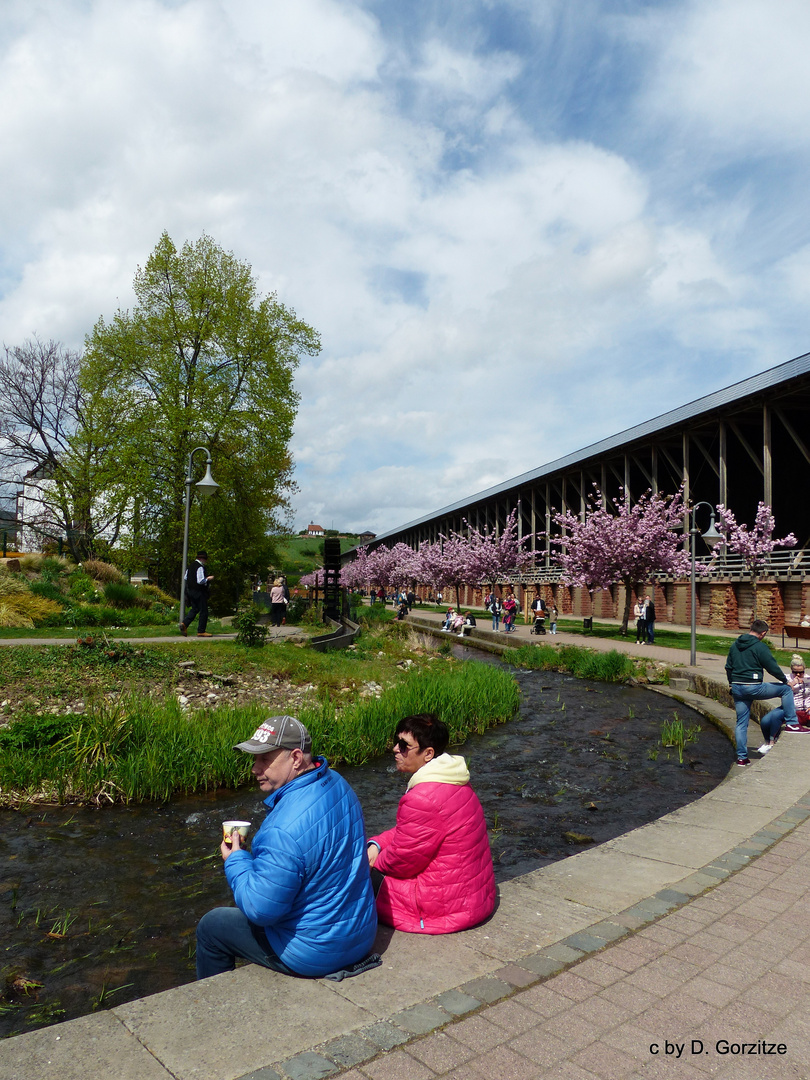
{"x": 746, "y": 659}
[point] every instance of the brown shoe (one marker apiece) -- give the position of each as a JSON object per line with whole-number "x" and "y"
{"x": 184, "y": 629}
{"x": 203, "y": 634}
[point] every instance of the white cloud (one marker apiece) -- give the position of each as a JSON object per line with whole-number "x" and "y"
{"x": 486, "y": 294}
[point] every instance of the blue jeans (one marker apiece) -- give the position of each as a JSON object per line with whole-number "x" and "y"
{"x": 225, "y": 933}
{"x": 771, "y": 724}
{"x": 651, "y": 632}
{"x": 495, "y": 620}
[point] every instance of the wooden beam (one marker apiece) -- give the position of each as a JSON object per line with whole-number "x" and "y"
{"x": 792, "y": 433}
{"x": 744, "y": 443}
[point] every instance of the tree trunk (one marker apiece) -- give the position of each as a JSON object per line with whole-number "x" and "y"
{"x": 627, "y": 597}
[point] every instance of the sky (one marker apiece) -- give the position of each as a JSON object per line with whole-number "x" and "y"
{"x": 519, "y": 226}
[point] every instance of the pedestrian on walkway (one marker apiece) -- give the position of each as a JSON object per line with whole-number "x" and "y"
{"x": 278, "y": 603}
{"x": 495, "y": 610}
{"x": 641, "y": 622}
{"x": 649, "y": 618}
{"x": 554, "y": 614}
{"x": 197, "y": 584}
{"x": 747, "y": 658}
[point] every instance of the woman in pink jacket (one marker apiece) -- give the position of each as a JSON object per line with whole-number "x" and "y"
{"x": 436, "y": 861}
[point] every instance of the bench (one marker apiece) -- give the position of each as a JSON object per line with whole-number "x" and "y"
{"x": 795, "y": 632}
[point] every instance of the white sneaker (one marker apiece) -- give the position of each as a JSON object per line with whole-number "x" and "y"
{"x": 765, "y": 748}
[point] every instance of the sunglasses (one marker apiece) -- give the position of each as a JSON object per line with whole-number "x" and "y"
{"x": 404, "y": 747}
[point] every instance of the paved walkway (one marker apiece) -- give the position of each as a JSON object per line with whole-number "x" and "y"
{"x": 689, "y": 928}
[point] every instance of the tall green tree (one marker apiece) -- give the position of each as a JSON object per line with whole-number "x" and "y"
{"x": 201, "y": 360}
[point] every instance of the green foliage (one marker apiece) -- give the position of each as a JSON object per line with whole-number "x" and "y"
{"x": 82, "y": 588}
{"x": 248, "y": 631}
{"x": 48, "y": 590}
{"x": 611, "y": 666}
{"x": 34, "y": 732}
{"x": 201, "y": 360}
{"x": 296, "y": 609}
{"x": 102, "y": 571}
{"x": 139, "y": 749}
{"x": 119, "y": 594}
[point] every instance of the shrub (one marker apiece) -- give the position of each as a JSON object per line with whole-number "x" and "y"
{"x": 102, "y": 571}
{"x": 24, "y": 610}
{"x": 611, "y": 666}
{"x": 120, "y": 594}
{"x": 53, "y": 567}
{"x": 248, "y": 631}
{"x": 48, "y": 590}
{"x": 82, "y": 588}
{"x": 12, "y": 584}
{"x": 296, "y": 609}
{"x": 154, "y": 592}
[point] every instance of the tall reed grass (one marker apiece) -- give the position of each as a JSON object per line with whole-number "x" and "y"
{"x": 139, "y": 750}
{"x": 612, "y": 666}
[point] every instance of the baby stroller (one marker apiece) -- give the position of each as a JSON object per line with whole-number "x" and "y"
{"x": 539, "y": 624}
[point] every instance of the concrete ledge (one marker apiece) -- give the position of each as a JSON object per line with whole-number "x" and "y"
{"x": 260, "y": 1025}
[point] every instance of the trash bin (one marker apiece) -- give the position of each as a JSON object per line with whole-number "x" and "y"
{"x": 587, "y": 624}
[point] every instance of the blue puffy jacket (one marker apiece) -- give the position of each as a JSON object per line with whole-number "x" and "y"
{"x": 306, "y": 879}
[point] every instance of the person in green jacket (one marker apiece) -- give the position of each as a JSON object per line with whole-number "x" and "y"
{"x": 747, "y": 658}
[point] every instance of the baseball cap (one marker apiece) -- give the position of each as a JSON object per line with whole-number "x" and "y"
{"x": 277, "y": 732}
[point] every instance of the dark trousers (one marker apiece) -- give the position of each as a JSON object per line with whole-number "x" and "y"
{"x": 196, "y": 604}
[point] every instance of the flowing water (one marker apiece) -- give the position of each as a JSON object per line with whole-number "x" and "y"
{"x": 99, "y": 906}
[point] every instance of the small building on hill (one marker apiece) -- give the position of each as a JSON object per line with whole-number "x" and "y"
{"x": 314, "y": 530}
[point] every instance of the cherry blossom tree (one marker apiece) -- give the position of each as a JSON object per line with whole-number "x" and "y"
{"x": 626, "y": 544}
{"x": 754, "y": 545}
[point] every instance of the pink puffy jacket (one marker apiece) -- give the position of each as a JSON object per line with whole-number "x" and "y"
{"x": 436, "y": 860}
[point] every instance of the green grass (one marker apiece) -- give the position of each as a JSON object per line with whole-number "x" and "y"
{"x": 138, "y": 749}
{"x": 584, "y": 663}
{"x": 716, "y": 644}
{"x": 73, "y": 632}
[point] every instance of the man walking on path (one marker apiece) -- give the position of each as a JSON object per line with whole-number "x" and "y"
{"x": 196, "y": 586}
{"x": 744, "y": 668}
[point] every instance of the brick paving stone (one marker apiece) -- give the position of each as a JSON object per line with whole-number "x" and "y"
{"x": 541, "y": 965}
{"x": 631, "y": 998}
{"x": 658, "y": 1068}
{"x": 541, "y": 1047}
{"x": 453, "y": 1001}
{"x": 572, "y": 1030}
{"x": 420, "y": 1019}
{"x": 562, "y": 952}
{"x": 605, "y": 1061}
{"x": 793, "y": 968}
{"x": 515, "y": 975}
{"x": 773, "y": 993}
{"x": 398, "y": 1066}
{"x": 502, "y": 1063}
{"x": 308, "y": 1066}
{"x": 262, "y": 1074}
{"x": 487, "y": 989}
{"x": 631, "y": 1040}
{"x": 440, "y": 1052}
{"x": 608, "y": 930}
{"x": 477, "y": 1033}
{"x": 631, "y": 922}
{"x": 731, "y": 976}
{"x": 645, "y": 946}
{"x": 544, "y": 1000}
{"x": 598, "y": 971}
{"x": 673, "y": 967}
{"x": 350, "y": 1049}
{"x": 384, "y": 1035}
{"x": 693, "y": 954}
{"x": 711, "y": 943}
{"x": 600, "y": 1013}
{"x": 566, "y": 1070}
{"x": 647, "y": 979}
{"x": 513, "y": 1017}
{"x": 715, "y": 993}
{"x": 625, "y": 959}
{"x": 661, "y": 933}
{"x": 585, "y": 942}
{"x": 574, "y": 987}
{"x": 679, "y": 1011}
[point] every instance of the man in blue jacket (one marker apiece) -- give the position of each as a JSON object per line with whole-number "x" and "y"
{"x": 746, "y": 659}
{"x": 304, "y": 901}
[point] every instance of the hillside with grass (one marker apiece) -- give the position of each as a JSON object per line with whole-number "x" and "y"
{"x": 299, "y": 555}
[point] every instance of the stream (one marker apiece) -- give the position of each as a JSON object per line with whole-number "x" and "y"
{"x": 99, "y": 906}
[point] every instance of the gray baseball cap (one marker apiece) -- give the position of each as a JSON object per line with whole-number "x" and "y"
{"x": 277, "y": 732}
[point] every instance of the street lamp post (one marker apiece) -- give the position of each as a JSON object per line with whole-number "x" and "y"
{"x": 712, "y": 538}
{"x": 206, "y": 486}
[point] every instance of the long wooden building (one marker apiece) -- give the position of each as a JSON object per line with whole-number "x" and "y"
{"x": 747, "y": 443}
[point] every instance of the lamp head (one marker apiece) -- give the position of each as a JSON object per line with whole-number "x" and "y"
{"x": 208, "y": 485}
{"x": 712, "y": 536}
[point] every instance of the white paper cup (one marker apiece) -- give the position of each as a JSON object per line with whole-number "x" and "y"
{"x": 234, "y": 826}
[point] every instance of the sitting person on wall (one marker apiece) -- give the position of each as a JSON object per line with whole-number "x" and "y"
{"x": 467, "y": 624}
{"x": 436, "y": 861}
{"x": 457, "y": 623}
{"x": 799, "y": 681}
{"x": 448, "y": 619}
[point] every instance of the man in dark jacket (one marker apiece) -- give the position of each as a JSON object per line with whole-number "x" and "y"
{"x": 197, "y": 584}
{"x": 744, "y": 667}
{"x": 304, "y": 902}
